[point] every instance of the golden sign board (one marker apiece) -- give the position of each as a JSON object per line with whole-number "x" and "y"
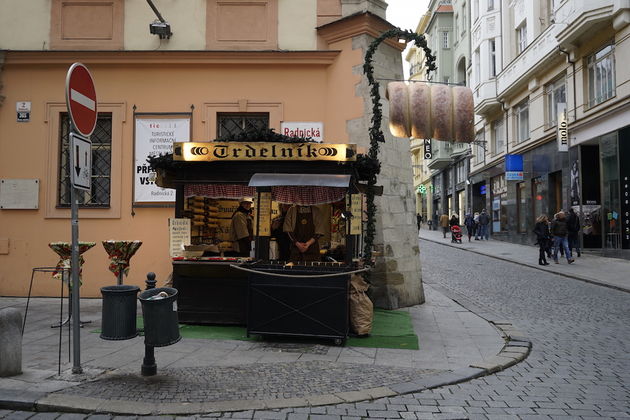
{"x": 233, "y": 151}
{"x": 264, "y": 209}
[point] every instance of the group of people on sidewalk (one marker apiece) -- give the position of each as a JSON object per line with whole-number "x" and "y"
{"x": 559, "y": 235}
{"x": 477, "y": 225}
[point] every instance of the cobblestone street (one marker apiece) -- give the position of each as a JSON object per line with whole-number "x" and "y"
{"x": 579, "y": 367}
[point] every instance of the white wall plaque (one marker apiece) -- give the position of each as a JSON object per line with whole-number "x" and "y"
{"x": 19, "y": 194}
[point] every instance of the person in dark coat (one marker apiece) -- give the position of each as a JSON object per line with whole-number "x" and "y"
{"x": 574, "y": 226}
{"x": 560, "y": 234}
{"x": 543, "y": 238}
{"x": 484, "y": 221}
{"x": 469, "y": 222}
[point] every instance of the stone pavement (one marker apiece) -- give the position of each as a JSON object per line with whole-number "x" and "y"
{"x": 590, "y": 267}
{"x": 205, "y": 376}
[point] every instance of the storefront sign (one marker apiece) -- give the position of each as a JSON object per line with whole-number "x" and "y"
{"x": 313, "y": 130}
{"x": 513, "y": 176}
{"x": 428, "y": 151}
{"x": 179, "y": 235}
{"x": 155, "y": 136}
{"x": 23, "y": 110}
{"x": 233, "y": 151}
{"x": 563, "y": 132}
{"x": 513, "y": 167}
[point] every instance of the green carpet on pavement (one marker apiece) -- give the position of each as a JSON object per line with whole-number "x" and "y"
{"x": 390, "y": 330}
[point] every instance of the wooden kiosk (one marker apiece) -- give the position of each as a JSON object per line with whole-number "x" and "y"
{"x": 262, "y": 292}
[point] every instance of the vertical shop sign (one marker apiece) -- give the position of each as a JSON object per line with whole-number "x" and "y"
{"x": 624, "y": 187}
{"x": 155, "y": 136}
{"x": 563, "y": 132}
{"x": 428, "y": 151}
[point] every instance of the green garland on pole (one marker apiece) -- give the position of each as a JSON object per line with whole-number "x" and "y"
{"x": 376, "y": 134}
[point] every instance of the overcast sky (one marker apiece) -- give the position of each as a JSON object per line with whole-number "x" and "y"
{"x": 406, "y": 14}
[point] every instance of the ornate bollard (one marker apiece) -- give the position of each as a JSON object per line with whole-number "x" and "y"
{"x": 149, "y": 368}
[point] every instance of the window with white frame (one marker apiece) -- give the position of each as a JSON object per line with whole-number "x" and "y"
{"x": 498, "y": 136}
{"x": 490, "y": 5}
{"x": 601, "y": 75}
{"x": 555, "y": 100}
{"x": 492, "y": 49}
{"x": 475, "y": 10}
{"x": 480, "y": 147}
{"x": 521, "y": 38}
{"x": 460, "y": 172}
{"x": 456, "y": 27}
{"x": 464, "y": 19}
{"x": 521, "y": 116}
{"x": 445, "y": 39}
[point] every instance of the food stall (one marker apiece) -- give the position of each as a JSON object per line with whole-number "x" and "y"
{"x": 272, "y": 296}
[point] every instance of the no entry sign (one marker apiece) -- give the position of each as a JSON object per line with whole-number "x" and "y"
{"x": 81, "y": 99}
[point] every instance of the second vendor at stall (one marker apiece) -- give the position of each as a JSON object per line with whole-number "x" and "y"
{"x": 241, "y": 228}
{"x": 304, "y": 225}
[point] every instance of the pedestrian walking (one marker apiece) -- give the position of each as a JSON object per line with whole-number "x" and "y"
{"x": 573, "y": 226}
{"x": 484, "y": 221}
{"x": 419, "y": 220}
{"x": 444, "y": 223}
{"x": 543, "y": 238}
{"x": 560, "y": 237}
{"x": 469, "y": 222}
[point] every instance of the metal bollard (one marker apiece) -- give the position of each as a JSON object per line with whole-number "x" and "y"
{"x": 149, "y": 368}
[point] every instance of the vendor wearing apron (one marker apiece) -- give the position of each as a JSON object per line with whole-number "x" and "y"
{"x": 241, "y": 229}
{"x": 304, "y": 226}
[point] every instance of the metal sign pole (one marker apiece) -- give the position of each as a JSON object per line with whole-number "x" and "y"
{"x": 76, "y": 322}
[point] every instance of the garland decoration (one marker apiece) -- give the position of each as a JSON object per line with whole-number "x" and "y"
{"x": 376, "y": 134}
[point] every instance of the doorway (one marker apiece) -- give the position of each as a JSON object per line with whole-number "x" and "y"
{"x": 555, "y": 192}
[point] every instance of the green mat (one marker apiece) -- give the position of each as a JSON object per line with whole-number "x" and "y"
{"x": 390, "y": 330}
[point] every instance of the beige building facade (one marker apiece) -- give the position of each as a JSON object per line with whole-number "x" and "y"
{"x": 273, "y": 61}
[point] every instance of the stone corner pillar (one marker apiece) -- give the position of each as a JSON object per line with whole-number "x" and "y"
{"x": 10, "y": 342}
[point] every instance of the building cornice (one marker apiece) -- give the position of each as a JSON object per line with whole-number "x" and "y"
{"x": 323, "y": 58}
{"x": 355, "y": 25}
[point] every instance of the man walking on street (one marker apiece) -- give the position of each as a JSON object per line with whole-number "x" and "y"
{"x": 444, "y": 220}
{"x": 573, "y": 226}
{"x": 560, "y": 232}
{"x": 484, "y": 221}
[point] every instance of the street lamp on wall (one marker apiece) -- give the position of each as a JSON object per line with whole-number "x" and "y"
{"x": 159, "y": 27}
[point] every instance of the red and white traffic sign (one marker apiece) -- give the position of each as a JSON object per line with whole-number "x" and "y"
{"x": 81, "y": 99}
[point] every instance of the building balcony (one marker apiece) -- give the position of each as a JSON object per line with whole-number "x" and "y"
{"x": 441, "y": 155}
{"x": 485, "y": 97}
{"x": 522, "y": 71}
{"x": 579, "y": 19}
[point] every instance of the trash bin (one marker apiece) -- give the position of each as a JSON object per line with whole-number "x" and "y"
{"x": 119, "y": 312}
{"x": 161, "y": 327}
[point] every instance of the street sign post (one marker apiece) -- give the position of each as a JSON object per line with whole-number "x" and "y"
{"x": 82, "y": 107}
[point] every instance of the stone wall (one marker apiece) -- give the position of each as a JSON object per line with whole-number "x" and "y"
{"x": 397, "y": 278}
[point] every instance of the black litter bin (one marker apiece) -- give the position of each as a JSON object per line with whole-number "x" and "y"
{"x": 161, "y": 327}
{"x": 119, "y": 312}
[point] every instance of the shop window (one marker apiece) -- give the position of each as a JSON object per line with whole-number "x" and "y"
{"x": 521, "y": 206}
{"x": 499, "y": 204}
{"x": 521, "y": 116}
{"x": 555, "y": 100}
{"x": 101, "y": 140}
{"x": 231, "y": 124}
{"x": 539, "y": 193}
{"x": 601, "y": 75}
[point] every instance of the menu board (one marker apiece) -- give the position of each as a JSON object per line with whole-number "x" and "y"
{"x": 179, "y": 235}
{"x": 264, "y": 212}
{"x": 356, "y": 202}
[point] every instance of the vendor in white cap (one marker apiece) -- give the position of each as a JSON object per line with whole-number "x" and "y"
{"x": 304, "y": 225}
{"x": 242, "y": 232}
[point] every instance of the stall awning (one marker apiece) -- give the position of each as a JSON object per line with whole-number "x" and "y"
{"x": 304, "y": 180}
{"x": 290, "y": 188}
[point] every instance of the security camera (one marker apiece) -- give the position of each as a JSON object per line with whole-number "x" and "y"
{"x": 161, "y": 29}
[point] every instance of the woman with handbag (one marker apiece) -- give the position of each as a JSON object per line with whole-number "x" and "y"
{"x": 543, "y": 238}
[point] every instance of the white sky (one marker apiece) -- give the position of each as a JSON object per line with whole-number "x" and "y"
{"x": 406, "y": 14}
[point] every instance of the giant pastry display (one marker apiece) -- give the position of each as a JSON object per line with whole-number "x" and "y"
{"x": 435, "y": 111}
